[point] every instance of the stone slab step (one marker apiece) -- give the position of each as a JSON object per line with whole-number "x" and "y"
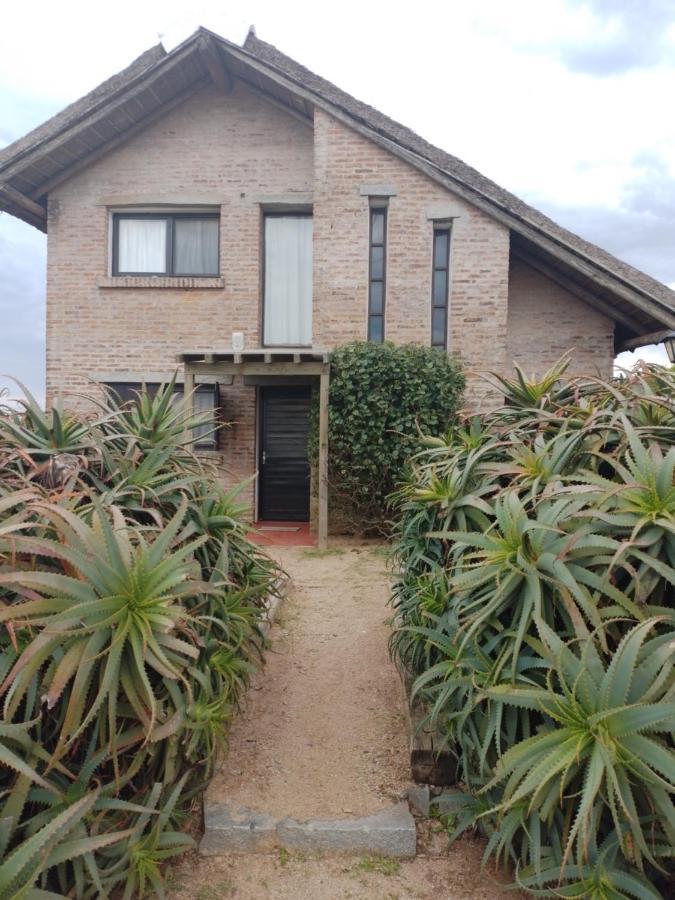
{"x": 390, "y": 832}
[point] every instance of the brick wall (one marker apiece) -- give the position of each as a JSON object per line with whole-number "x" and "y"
{"x": 343, "y": 162}
{"x": 233, "y": 151}
{"x": 545, "y": 320}
{"x": 223, "y": 149}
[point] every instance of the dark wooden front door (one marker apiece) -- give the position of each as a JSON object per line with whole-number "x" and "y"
{"x": 283, "y": 464}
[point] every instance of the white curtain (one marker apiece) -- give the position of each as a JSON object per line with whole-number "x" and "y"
{"x": 196, "y": 247}
{"x": 288, "y": 280}
{"x": 142, "y": 245}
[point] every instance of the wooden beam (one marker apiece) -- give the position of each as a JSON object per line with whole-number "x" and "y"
{"x": 324, "y": 391}
{"x": 121, "y": 138}
{"x": 306, "y": 120}
{"x": 256, "y": 368}
{"x": 215, "y": 66}
{"x": 653, "y": 337}
{"x": 25, "y": 203}
{"x": 569, "y": 284}
{"x": 105, "y": 108}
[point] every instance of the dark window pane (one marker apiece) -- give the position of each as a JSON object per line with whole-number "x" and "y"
{"x": 441, "y": 249}
{"x": 440, "y": 291}
{"x": 377, "y": 262}
{"x": 376, "y": 298}
{"x": 438, "y": 321}
{"x": 377, "y": 228}
{"x": 376, "y": 329}
{"x": 204, "y": 403}
{"x": 195, "y": 249}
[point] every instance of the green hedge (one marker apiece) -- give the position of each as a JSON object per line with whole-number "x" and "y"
{"x": 381, "y": 398}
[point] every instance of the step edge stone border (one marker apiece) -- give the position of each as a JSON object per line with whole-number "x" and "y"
{"x": 390, "y": 832}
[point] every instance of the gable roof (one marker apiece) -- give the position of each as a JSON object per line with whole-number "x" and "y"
{"x": 157, "y": 80}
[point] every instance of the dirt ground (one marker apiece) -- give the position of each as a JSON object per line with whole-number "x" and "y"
{"x": 286, "y": 876}
{"x": 323, "y": 733}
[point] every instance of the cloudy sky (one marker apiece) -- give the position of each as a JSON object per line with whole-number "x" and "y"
{"x": 568, "y": 103}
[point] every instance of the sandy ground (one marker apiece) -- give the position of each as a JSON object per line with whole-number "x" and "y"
{"x": 323, "y": 733}
{"x": 285, "y": 876}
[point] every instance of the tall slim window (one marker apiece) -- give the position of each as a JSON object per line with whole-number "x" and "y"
{"x": 377, "y": 273}
{"x": 439, "y": 286}
{"x": 287, "y": 307}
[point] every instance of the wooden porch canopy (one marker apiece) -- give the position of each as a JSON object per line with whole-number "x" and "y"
{"x": 284, "y": 361}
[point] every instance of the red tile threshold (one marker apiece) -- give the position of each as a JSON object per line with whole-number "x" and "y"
{"x": 282, "y": 534}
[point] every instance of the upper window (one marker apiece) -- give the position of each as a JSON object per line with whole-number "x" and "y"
{"x": 165, "y": 244}
{"x": 287, "y": 310}
{"x": 377, "y": 273}
{"x": 439, "y": 286}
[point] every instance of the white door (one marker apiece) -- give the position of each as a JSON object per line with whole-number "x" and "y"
{"x": 288, "y": 280}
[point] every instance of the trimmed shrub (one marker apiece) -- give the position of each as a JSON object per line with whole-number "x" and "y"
{"x": 381, "y": 398}
{"x": 535, "y": 599}
{"x": 130, "y": 599}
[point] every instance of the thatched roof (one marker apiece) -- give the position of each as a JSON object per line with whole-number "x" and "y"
{"x": 124, "y": 104}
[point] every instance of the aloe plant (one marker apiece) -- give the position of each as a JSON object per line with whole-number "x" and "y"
{"x": 600, "y": 741}
{"x": 130, "y": 600}
{"x": 553, "y": 516}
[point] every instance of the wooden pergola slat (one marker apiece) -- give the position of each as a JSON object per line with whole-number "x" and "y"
{"x": 285, "y": 361}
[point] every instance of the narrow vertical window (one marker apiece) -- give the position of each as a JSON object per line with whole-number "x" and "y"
{"x": 377, "y": 273}
{"x": 439, "y": 286}
{"x": 287, "y": 310}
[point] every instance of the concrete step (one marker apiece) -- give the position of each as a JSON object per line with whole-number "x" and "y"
{"x": 390, "y": 832}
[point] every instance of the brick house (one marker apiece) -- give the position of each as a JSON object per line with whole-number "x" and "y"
{"x": 219, "y": 193}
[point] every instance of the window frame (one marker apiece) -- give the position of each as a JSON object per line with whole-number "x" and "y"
{"x": 170, "y": 218}
{"x": 377, "y": 208}
{"x": 440, "y": 227}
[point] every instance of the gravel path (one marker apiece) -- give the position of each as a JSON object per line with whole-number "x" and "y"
{"x": 323, "y": 733}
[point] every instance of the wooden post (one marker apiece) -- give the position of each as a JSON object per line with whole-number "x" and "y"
{"x": 188, "y": 390}
{"x": 324, "y": 385}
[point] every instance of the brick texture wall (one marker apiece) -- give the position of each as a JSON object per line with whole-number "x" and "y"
{"x": 234, "y": 151}
{"x": 545, "y": 320}
{"x": 228, "y": 150}
{"x": 343, "y": 163}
